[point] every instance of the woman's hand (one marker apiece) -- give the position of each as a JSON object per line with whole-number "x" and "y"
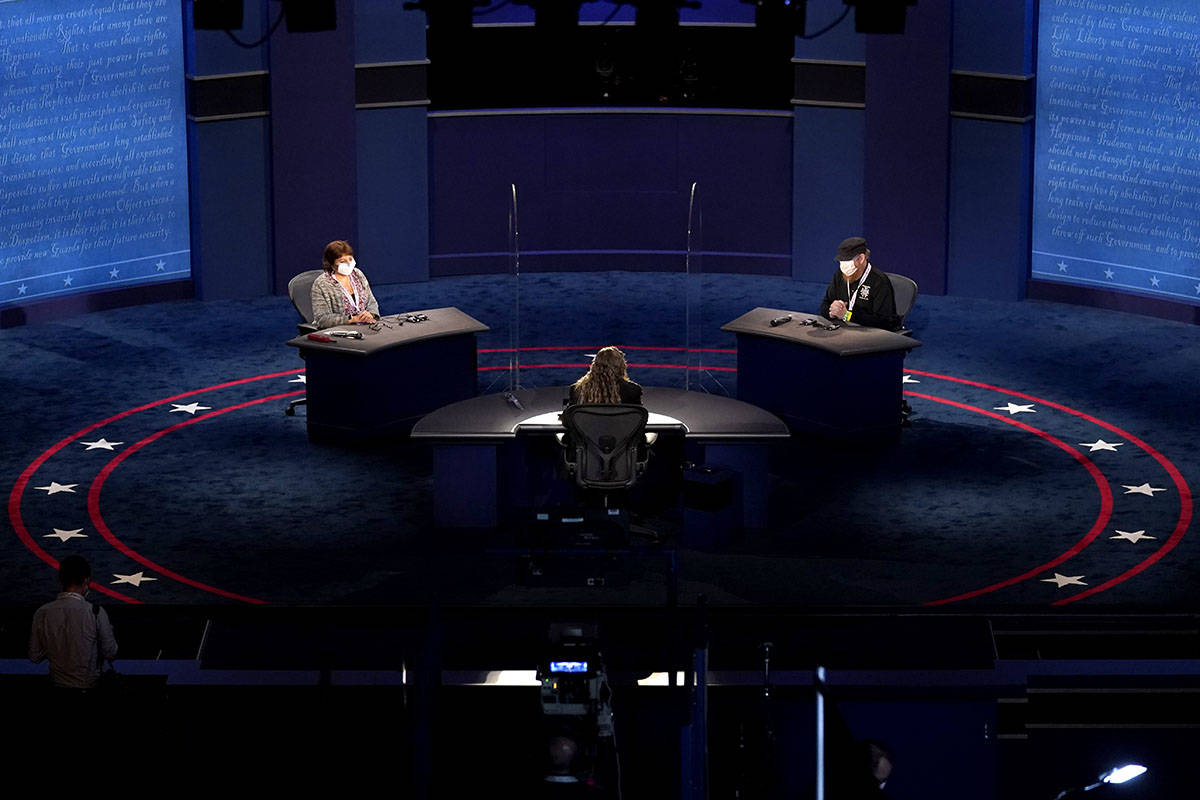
{"x": 363, "y": 316}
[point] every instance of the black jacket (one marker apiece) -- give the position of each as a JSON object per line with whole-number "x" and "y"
{"x": 876, "y": 303}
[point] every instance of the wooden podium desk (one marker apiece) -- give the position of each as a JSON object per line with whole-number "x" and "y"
{"x": 381, "y": 384}
{"x": 843, "y": 382}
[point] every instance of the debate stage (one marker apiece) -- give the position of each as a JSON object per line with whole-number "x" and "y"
{"x": 1028, "y": 535}
{"x": 1045, "y": 437}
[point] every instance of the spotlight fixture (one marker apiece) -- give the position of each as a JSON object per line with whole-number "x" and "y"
{"x": 1115, "y": 775}
{"x": 1122, "y": 774}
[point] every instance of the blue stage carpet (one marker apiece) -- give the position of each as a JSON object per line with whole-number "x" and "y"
{"x": 1047, "y": 466}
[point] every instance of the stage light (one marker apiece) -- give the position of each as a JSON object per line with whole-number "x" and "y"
{"x": 1122, "y": 774}
{"x": 1115, "y": 775}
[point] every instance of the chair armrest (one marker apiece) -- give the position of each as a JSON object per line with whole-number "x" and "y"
{"x": 306, "y": 327}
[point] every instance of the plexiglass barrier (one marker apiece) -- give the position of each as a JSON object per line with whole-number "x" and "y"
{"x": 569, "y": 301}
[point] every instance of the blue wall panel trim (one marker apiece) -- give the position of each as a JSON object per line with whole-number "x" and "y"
{"x": 215, "y": 53}
{"x": 585, "y": 261}
{"x": 73, "y": 305}
{"x": 393, "y": 194}
{"x": 990, "y": 168}
{"x": 994, "y": 37}
{"x": 1115, "y": 301}
{"x": 840, "y": 43}
{"x": 610, "y": 182}
{"x": 313, "y": 153}
{"x": 230, "y": 208}
{"x": 385, "y": 32}
{"x": 906, "y": 177}
{"x": 827, "y": 186}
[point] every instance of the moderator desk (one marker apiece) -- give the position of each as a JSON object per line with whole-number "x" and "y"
{"x": 468, "y": 438}
{"x": 380, "y": 384}
{"x": 832, "y": 382}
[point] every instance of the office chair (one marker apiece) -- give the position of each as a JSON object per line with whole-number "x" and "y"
{"x": 300, "y": 293}
{"x": 905, "y": 291}
{"x": 606, "y": 445}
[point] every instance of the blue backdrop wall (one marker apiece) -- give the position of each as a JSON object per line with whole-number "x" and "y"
{"x": 923, "y": 142}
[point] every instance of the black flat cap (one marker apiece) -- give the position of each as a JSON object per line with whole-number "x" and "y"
{"x": 851, "y": 247}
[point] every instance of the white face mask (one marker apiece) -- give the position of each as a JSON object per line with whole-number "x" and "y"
{"x": 847, "y": 267}
{"x": 346, "y": 267}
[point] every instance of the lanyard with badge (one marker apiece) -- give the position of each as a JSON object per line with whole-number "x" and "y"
{"x": 355, "y": 303}
{"x": 854, "y": 296}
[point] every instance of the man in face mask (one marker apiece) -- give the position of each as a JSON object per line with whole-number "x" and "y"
{"x": 859, "y": 292}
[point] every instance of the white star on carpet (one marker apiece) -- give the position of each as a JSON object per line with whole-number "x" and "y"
{"x": 1065, "y": 580}
{"x": 55, "y": 487}
{"x": 1108, "y": 273}
{"x": 299, "y": 379}
{"x": 909, "y": 379}
{"x": 62, "y": 535}
{"x": 101, "y": 444}
{"x": 21, "y": 289}
{"x": 136, "y": 579}
{"x": 160, "y": 265}
{"x": 1131, "y": 536}
{"x": 67, "y": 281}
{"x": 1154, "y": 280}
{"x": 190, "y": 408}
{"x": 1100, "y": 444}
{"x": 1145, "y": 489}
{"x": 1013, "y": 409}
{"x": 1062, "y": 266}
{"x": 112, "y": 273}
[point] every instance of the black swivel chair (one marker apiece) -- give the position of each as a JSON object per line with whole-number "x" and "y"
{"x": 300, "y": 293}
{"x": 905, "y": 292}
{"x": 607, "y": 448}
{"x": 606, "y": 445}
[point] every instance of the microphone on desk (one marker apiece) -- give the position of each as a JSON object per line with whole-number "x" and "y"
{"x": 775, "y": 323}
{"x": 513, "y": 401}
{"x": 347, "y": 334}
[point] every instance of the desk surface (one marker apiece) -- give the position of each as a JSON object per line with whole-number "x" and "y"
{"x": 442, "y": 322}
{"x": 705, "y": 416}
{"x": 848, "y": 340}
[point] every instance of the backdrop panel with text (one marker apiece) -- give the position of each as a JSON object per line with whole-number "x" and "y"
{"x": 1117, "y": 169}
{"x": 93, "y": 151}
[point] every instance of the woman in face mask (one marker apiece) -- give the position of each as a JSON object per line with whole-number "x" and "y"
{"x": 342, "y": 295}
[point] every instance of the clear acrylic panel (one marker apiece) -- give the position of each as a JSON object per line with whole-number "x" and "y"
{"x": 704, "y": 337}
{"x": 572, "y": 298}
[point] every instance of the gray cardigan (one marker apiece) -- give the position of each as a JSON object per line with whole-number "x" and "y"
{"x": 329, "y": 304}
